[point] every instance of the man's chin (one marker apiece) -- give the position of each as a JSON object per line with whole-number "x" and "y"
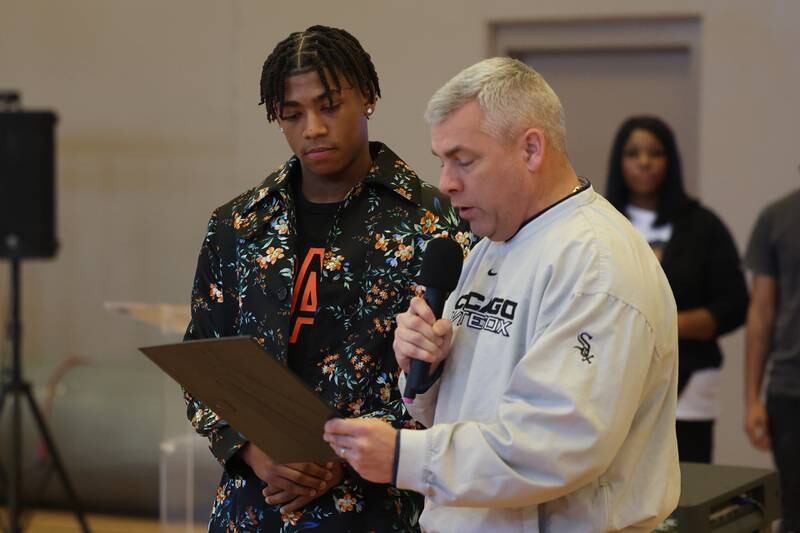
{"x": 478, "y": 231}
{"x": 326, "y": 169}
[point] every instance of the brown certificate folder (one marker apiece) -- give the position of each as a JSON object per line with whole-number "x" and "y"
{"x": 259, "y": 397}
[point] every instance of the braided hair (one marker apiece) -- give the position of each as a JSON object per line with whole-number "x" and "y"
{"x": 318, "y": 49}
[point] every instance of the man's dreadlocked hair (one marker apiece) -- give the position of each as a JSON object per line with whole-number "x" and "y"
{"x": 319, "y": 49}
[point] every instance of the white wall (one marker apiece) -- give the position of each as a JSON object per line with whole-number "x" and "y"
{"x": 159, "y": 124}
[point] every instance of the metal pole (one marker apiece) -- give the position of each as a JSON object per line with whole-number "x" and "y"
{"x": 15, "y": 480}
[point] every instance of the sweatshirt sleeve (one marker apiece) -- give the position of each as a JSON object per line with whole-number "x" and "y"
{"x": 424, "y": 406}
{"x": 562, "y": 419}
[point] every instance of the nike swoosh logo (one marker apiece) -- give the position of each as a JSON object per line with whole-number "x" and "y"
{"x": 492, "y": 272}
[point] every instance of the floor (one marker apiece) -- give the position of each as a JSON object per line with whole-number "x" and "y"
{"x": 63, "y": 522}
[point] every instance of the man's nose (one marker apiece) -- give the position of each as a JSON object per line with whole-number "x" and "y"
{"x": 315, "y": 126}
{"x": 448, "y": 182}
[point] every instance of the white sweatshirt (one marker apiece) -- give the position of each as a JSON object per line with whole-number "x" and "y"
{"x": 556, "y": 407}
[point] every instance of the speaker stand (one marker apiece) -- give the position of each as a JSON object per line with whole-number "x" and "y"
{"x": 16, "y": 390}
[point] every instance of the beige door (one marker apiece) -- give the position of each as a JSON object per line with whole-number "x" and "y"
{"x": 601, "y": 88}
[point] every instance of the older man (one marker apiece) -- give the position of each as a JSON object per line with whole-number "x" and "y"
{"x": 564, "y": 419}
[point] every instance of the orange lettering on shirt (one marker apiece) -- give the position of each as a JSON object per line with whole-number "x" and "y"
{"x": 305, "y": 291}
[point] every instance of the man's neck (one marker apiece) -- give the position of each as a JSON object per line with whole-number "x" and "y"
{"x": 330, "y": 189}
{"x": 562, "y": 183}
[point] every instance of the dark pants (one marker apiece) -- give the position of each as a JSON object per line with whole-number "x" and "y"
{"x": 695, "y": 440}
{"x": 784, "y": 433}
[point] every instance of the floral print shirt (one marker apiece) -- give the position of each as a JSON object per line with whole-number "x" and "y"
{"x": 243, "y": 286}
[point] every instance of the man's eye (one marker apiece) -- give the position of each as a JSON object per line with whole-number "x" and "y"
{"x": 331, "y": 109}
{"x": 465, "y": 164}
{"x": 291, "y": 118}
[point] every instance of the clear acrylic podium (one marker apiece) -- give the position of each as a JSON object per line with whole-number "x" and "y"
{"x": 188, "y": 473}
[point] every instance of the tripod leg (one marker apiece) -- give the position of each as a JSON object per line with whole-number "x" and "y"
{"x": 5, "y": 391}
{"x": 15, "y": 485}
{"x": 4, "y": 485}
{"x": 62, "y": 473}
{"x": 3, "y": 478}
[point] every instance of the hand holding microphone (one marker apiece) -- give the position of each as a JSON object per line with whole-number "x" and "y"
{"x": 416, "y": 338}
{"x": 421, "y": 339}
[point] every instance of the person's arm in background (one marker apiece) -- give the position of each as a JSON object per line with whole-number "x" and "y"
{"x": 762, "y": 261}
{"x": 727, "y": 305}
{"x": 760, "y": 323}
{"x": 696, "y": 324}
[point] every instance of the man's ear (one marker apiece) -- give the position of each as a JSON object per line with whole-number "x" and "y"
{"x": 369, "y": 108}
{"x": 534, "y": 145}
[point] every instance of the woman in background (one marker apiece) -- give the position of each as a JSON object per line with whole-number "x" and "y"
{"x": 699, "y": 257}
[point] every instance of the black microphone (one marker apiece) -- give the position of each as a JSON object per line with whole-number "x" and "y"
{"x": 441, "y": 268}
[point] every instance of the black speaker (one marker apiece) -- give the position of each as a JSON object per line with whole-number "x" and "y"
{"x": 27, "y": 179}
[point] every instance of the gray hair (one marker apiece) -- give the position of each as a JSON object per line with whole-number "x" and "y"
{"x": 512, "y": 96}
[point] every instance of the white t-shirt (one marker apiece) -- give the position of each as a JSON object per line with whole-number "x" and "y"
{"x": 643, "y": 219}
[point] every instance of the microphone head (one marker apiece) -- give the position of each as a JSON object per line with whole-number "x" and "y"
{"x": 441, "y": 264}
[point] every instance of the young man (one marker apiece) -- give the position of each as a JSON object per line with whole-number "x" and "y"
{"x": 315, "y": 263}
{"x": 563, "y": 419}
{"x": 773, "y": 333}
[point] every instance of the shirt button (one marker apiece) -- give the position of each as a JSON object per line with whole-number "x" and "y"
{"x": 281, "y": 293}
